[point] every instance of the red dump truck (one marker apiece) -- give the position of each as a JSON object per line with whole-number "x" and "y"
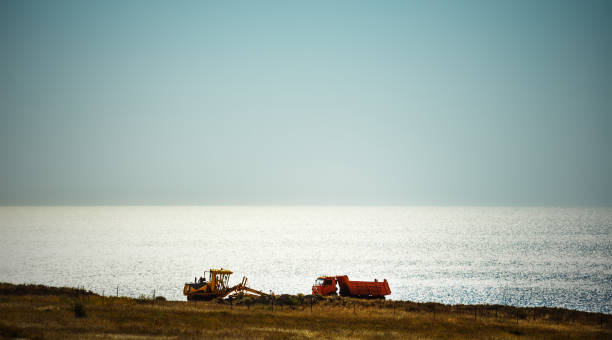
{"x": 328, "y": 285}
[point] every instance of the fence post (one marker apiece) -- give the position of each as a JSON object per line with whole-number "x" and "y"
{"x": 117, "y": 291}
{"x": 517, "y": 316}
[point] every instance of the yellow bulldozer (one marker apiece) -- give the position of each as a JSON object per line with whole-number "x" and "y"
{"x": 217, "y": 286}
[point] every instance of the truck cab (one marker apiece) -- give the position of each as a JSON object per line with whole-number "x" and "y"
{"x": 325, "y": 285}
{"x": 329, "y": 285}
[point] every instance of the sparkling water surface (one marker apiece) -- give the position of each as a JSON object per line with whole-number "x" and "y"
{"x": 559, "y": 257}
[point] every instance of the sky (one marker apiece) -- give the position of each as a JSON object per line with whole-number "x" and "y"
{"x": 306, "y": 102}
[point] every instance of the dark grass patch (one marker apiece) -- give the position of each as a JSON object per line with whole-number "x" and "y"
{"x": 13, "y": 332}
{"x": 79, "y": 309}
{"x": 516, "y": 332}
{"x": 27, "y": 289}
{"x": 8, "y": 331}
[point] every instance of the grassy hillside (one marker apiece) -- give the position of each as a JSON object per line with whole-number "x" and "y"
{"x": 41, "y": 312}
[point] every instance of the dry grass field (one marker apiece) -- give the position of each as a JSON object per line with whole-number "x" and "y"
{"x": 39, "y": 312}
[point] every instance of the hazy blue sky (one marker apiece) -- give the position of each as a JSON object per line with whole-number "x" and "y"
{"x": 312, "y": 102}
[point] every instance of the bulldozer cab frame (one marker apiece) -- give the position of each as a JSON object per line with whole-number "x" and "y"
{"x": 219, "y": 279}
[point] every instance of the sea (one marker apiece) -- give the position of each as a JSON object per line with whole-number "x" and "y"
{"x": 520, "y": 256}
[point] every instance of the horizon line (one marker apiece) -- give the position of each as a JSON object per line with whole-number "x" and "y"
{"x": 312, "y": 205}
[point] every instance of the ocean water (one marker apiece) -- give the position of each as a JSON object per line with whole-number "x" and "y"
{"x": 559, "y": 257}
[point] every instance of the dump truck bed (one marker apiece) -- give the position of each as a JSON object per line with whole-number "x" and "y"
{"x": 363, "y": 288}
